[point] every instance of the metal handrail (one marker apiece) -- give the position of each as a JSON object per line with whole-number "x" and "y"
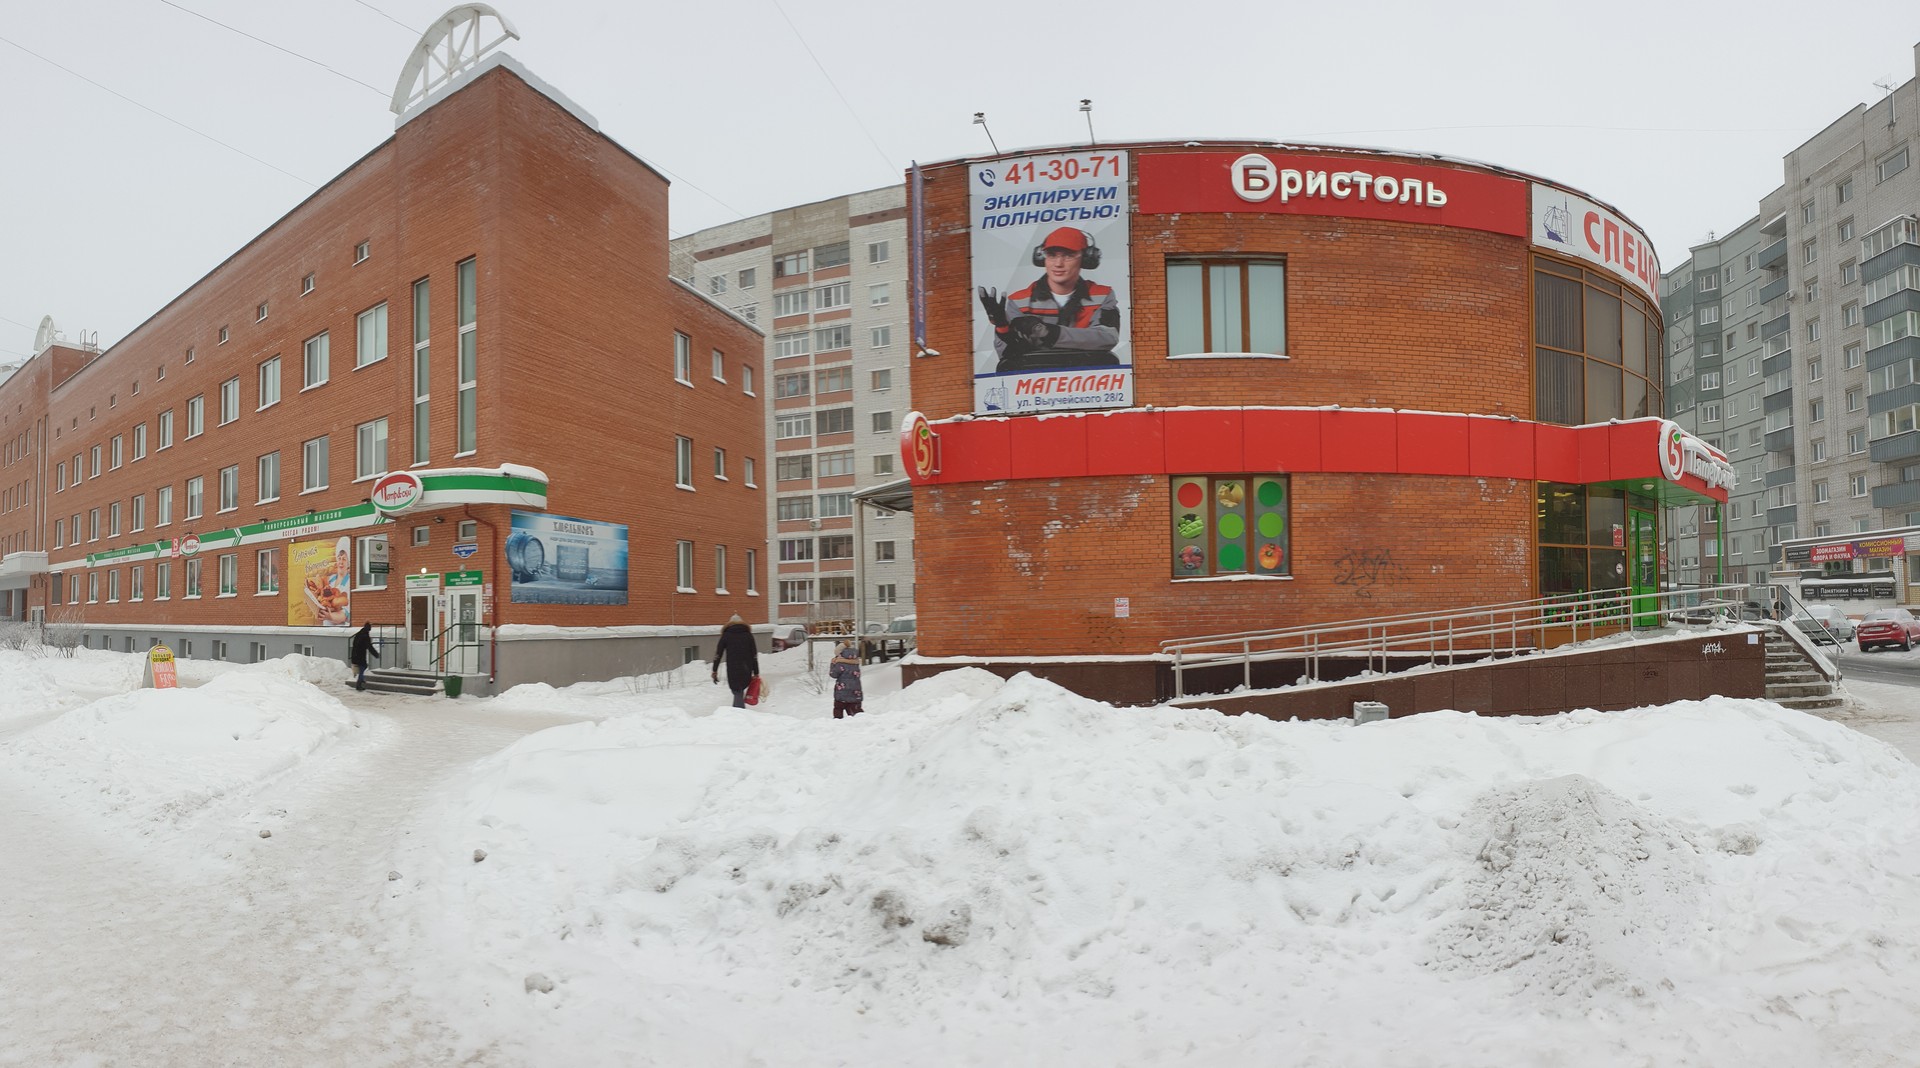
{"x": 1516, "y": 627}
{"x": 441, "y": 659}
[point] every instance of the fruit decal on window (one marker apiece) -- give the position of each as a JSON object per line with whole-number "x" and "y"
{"x": 1230, "y": 494}
{"x": 1191, "y": 558}
{"x": 1190, "y": 526}
{"x": 1270, "y": 557}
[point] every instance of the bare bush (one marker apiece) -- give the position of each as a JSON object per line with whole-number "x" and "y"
{"x": 60, "y": 635}
{"x": 19, "y": 636}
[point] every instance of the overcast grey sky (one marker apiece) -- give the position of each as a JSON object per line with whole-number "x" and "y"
{"x": 1678, "y": 113}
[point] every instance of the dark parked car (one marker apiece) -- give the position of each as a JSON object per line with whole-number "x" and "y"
{"x": 1888, "y": 626}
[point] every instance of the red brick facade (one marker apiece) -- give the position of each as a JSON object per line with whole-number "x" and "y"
{"x": 576, "y": 317}
{"x": 1379, "y": 314}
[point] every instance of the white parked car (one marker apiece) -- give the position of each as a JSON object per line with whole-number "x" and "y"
{"x": 1824, "y": 623}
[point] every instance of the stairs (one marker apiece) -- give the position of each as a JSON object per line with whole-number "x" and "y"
{"x": 1792, "y": 679}
{"x": 418, "y": 683}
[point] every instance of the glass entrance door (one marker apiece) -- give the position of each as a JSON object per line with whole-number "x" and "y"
{"x": 1643, "y": 556}
{"x": 463, "y": 641}
{"x": 421, "y": 627}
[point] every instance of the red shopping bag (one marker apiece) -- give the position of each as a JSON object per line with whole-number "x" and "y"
{"x": 753, "y": 692}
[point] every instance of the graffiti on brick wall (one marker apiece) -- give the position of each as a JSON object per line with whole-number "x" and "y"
{"x": 1366, "y": 570}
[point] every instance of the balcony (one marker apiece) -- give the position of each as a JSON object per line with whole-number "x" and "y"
{"x": 1779, "y": 440}
{"x": 1773, "y": 290}
{"x": 1774, "y": 255}
{"x": 1780, "y": 477}
{"x": 1775, "y": 326}
{"x": 1895, "y": 449}
{"x": 1782, "y": 515}
{"x": 1902, "y": 495}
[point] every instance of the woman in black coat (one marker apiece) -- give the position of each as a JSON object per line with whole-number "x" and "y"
{"x": 742, "y": 656}
{"x": 357, "y": 653}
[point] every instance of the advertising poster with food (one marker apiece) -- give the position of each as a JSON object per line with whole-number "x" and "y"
{"x": 1050, "y": 275}
{"x": 320, "y": 583}
{"x": 557, "y": 559}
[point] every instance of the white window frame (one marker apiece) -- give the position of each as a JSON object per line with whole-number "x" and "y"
{"x": 683, "y": 567}
{"x": 682, "y": 359}
{"x": 314, "y": 475}
{"x": 370, "y": 336}
{"x": 229, "y": 400}
{"x": 266, "y": 471}
{"x": 682, "y": 462}
{"x": 268, "y": 381}
{"x": 315, "y": 361}
{"x": 370, "y": 445}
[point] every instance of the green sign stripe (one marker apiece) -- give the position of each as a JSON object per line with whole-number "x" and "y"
{"x": 445, "y": 483}
{"x": 497, "y": 483}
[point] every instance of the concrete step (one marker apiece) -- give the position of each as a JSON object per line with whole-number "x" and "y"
{"x": 1792, "y": 677}
{"x": 395, "y": 680}
{"x": 1807, "y": 704}
{"x": 1776, "y": 691}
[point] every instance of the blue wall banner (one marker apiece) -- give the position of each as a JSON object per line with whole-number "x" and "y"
{"x": 557, "y": 559}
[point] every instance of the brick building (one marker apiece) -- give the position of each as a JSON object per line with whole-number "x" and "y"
{"x": 464, "y": 358}
{"x": 1173, "y": 390}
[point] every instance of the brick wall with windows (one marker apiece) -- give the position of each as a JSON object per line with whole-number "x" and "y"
{"x": 563, "y": 234}
{"x": 1378, "y": 314}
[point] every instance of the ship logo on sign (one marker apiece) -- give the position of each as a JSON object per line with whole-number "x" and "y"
{"x": 465, "y": 550}
{"x": 396, "y": 491}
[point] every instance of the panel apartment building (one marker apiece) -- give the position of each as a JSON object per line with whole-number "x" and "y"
{"x": 828, "y": 283}
{"x": 1829, "y": 301}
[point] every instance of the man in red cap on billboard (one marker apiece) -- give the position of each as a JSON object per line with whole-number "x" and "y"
{"x": 1062, "y": 319}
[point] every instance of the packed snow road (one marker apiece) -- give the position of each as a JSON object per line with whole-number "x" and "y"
{"x": 233, "y": 948}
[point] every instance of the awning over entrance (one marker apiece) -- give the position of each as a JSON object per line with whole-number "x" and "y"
{"x": 895, "y": 496}
{"x": 1653, "y": 456}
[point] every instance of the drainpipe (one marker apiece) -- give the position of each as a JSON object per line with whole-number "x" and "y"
{"x": 493, "y": 639}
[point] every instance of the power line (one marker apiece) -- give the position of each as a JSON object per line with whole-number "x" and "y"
{"x": 892, "y": 167}
{"x": 389, "y": 18}
{"x": 161, "y": 114}
{"x": 270, "y": 44}
{"x": 1561, "y": 126}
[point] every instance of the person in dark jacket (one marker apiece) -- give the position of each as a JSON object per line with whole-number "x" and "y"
{"x": 847, "y": 693}
{"x": 357, "y": 652}
{"x": 742, "y": 656}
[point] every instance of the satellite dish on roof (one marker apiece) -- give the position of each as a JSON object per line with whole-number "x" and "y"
{"x": 451, "y": 46}
{"x": 44, "y": 336}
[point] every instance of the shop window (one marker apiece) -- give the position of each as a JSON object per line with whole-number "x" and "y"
{"x": 1230, "y": 525}
{"x": 1592, "y": 343}
{"x": 1226, "y": 307}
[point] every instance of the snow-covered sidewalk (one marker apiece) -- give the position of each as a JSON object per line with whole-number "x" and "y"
{"x": 975, "y": 872}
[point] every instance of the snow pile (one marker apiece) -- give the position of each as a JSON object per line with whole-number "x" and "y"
{"x": 982, "y": 872}
{"x": 147, "y": 757}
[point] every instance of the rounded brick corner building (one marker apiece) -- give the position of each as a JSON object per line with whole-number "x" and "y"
{"x": 1180, "y": 389}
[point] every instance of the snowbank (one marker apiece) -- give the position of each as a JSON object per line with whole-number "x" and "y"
{"x": 157, "y": 757}
{"x": 979, "y": 872}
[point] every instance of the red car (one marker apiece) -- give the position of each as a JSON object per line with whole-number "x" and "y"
{"x": 1888, "y": 626}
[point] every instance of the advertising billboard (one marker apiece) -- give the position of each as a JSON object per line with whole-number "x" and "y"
{"x": 1575, "y": 226}
{"x": 1050, "y": 276}
{"x": 558, "y": 559}
{"x": 320, "y": 583}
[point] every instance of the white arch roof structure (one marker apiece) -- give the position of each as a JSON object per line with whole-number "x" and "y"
{"x": 453, "y": 45}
